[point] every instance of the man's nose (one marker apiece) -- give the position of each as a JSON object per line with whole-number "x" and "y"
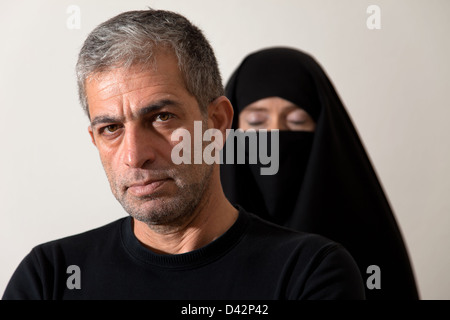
{"x": 137, "y": 147}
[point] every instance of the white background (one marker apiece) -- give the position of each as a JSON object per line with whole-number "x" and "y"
{"x": 395, "y": 83}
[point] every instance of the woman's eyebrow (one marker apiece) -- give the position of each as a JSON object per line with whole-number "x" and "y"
{"x": 255, "y": 108}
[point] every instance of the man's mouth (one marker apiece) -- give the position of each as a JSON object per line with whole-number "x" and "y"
{"x": 146, "y": 188}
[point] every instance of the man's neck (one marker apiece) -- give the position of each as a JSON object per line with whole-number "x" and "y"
{"x": 213, "y": 217}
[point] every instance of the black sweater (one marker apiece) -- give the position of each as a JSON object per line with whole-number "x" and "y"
{"x": 254, "y": 259}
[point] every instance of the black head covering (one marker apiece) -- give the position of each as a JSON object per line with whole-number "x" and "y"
{"x": 326, "y": 183}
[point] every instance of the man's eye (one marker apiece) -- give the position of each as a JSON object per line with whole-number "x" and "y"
{"x": 110, "y": 129}
{"x": 163, "y": 117}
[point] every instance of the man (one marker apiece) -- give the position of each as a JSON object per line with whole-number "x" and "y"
{"x": 143, "y": 76}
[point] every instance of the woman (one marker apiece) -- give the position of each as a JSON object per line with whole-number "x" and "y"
{"x": 325, "y": 183}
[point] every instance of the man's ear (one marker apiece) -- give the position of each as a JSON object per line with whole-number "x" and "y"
{"x": 220, "y": 114}
{"x": 91, "y": 133}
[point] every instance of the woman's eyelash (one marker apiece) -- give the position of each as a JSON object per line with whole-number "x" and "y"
{"x": 255, "y": 123}
{"x": 297, "y": 121}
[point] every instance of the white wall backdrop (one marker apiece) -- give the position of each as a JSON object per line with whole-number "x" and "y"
{"x": 394, "y": 81}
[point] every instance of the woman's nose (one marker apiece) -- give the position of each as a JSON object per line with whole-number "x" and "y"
{"x": 277, "y": 122}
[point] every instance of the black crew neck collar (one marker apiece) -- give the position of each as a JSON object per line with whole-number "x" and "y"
{"x": 198, "y": 257}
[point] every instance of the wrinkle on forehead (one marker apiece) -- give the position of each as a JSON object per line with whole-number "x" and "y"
{"x": 123, "y": 82}
{"x": 114, "y": 85}
{"x": 115, "y": 79}
{"x": 123, "y": 91}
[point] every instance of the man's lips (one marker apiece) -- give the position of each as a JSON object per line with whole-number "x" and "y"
{"x": 145, "y": 188}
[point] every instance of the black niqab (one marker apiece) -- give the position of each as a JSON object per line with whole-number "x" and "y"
{"x": 326, "y": 183}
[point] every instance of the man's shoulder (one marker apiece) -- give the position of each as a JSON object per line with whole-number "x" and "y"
{"x": 87, "y": 239}
{"x": 273, "y": 230}
{"x": 310, "y": 256}
{"x": 278, "y": 238}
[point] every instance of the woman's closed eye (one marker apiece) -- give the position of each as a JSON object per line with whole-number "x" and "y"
{"x": 299, "y": 120}
{"x": 256, "y": 118}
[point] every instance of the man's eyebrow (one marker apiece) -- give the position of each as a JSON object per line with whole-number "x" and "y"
{"x": 157, "y": 106}
{"x": 142, "y": 112}
{"x": 103, "y": 119}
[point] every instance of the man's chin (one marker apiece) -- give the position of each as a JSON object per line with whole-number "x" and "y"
{"x": 160, "y": 211}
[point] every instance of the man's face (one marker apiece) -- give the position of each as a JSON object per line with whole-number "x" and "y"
{"x": 133, "y": 114}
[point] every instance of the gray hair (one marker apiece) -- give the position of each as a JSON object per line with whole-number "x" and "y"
{"x": 132, "y": 37}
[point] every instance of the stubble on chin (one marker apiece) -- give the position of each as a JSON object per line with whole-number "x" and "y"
{"x": 163, "y": 212}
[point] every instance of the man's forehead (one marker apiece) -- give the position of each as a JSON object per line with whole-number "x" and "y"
{"x": 125, "y": 81}
{"x": 162, "y": 62}
{"x": 119, "y": 80}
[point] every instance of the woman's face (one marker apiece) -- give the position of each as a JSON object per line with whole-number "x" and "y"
{"x": 275, "y": 113}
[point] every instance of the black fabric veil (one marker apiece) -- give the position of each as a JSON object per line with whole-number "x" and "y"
{"x": 326, "y": 183}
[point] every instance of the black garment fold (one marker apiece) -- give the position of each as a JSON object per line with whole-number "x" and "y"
{"x": 340, "y": 195}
